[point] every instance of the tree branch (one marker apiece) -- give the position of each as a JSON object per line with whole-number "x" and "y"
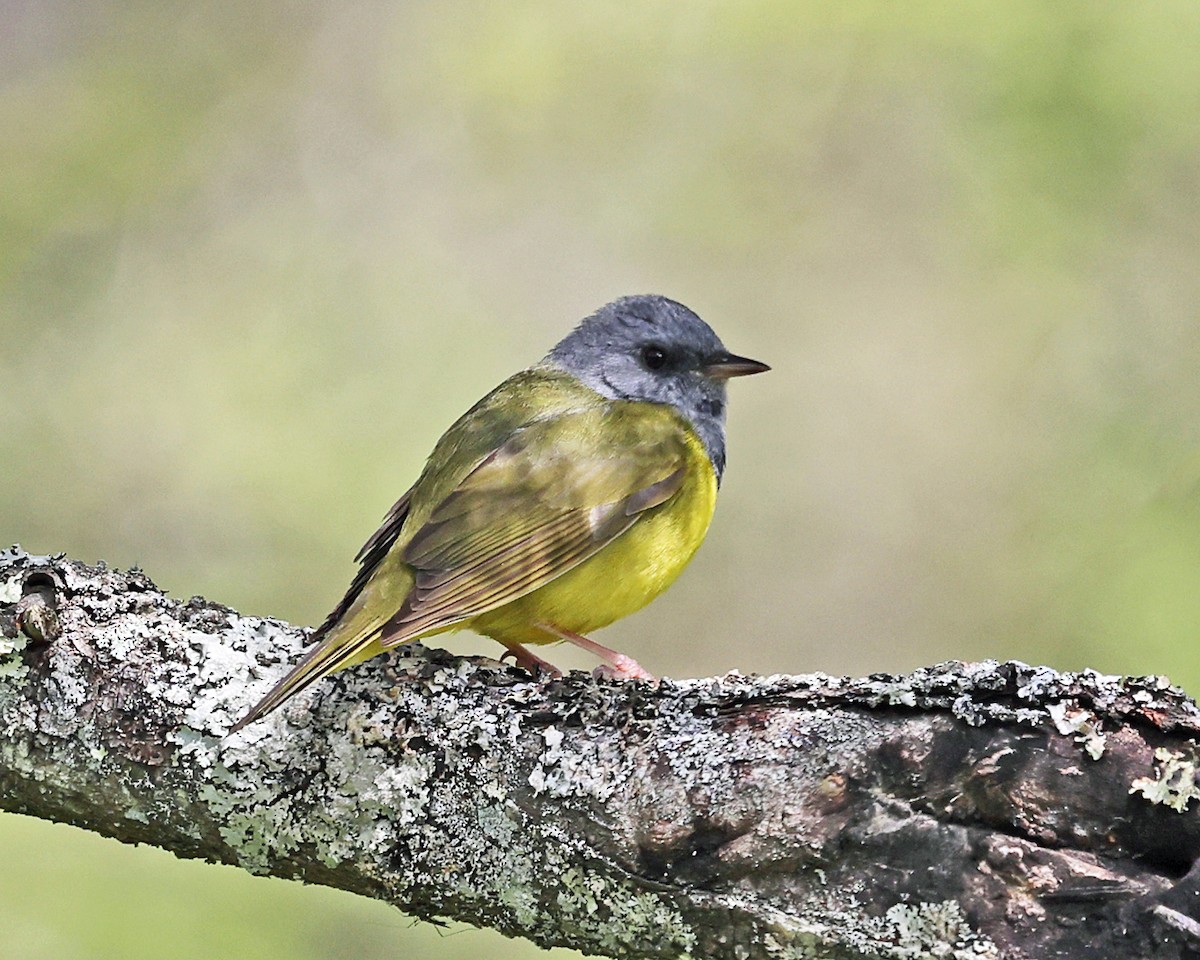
{"x": 967, "y": 810}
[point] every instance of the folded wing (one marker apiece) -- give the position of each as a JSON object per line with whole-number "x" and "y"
{"x": 554, "y": 494}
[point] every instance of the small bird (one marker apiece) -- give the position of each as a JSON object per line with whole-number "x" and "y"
{"x": 570, "y": 496}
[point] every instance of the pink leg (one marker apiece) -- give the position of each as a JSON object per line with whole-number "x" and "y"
{"x": 527, "y": 660}
{"x": 616, "y": 666}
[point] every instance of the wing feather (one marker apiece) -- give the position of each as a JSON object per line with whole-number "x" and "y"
{"x": 505, "y": 575}
{"x": 369, "y": 556}
{"x": 550, "y": 497}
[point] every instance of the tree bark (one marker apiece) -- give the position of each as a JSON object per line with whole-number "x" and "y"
{"x": 989, "y": 810}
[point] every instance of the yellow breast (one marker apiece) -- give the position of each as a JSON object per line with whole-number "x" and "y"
{"x": 624, "y": 576}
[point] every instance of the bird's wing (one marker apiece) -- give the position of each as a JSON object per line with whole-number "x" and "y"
{"x": 552, "y": 495}
{"x": 517, "y": 402}
{"x": 369, "y": 558}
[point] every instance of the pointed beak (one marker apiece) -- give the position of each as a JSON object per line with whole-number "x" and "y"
{"x": 728, "y": 366}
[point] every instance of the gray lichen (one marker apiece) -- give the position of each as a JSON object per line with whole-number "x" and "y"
{"x": 1174, "y": 784}
{"x": 935, "y": 930}
{"x": 11, "y": 647}
{"x": 1071, "y": 719}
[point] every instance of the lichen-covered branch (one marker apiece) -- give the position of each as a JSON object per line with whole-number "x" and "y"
{"x": 966, "y": 811}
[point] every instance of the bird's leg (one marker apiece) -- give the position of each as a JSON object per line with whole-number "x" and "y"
{"x": 529, "y": 661}
{"x": 616, "y": 666}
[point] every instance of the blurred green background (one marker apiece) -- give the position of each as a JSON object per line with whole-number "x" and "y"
{"x": 255, "y": 258}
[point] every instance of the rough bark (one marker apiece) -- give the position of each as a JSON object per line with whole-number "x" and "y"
{"x": 990, "y": 810}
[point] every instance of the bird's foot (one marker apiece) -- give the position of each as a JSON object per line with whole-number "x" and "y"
{"x": 616, "y": 666}
{"x": 529, "y": 661}
{"x": 623, "y": 668}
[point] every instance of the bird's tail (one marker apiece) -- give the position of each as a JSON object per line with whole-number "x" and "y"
{"x": 338, "y": 645}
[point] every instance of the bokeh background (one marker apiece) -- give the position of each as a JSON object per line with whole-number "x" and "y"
{"x": 255, "y": 257}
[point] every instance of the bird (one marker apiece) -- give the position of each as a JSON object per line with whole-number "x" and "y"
{"x": 570, "y": 496}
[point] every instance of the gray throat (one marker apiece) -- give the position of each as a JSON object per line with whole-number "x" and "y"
{"x": 711, "y": 430}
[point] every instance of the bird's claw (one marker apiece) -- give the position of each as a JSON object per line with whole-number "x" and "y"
{"x": 531, "y": 663}
{"x": 623, "y": 668}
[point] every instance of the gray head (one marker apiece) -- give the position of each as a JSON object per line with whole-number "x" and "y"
{"x": 654, "y": 349}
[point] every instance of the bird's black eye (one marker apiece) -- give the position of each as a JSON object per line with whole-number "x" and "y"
{"x": 654, "y": 358}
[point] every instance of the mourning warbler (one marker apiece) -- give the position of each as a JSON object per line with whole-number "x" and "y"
{"x": 570, "y": 496}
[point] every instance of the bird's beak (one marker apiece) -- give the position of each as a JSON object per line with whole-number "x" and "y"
{"x": 728, "y": 366}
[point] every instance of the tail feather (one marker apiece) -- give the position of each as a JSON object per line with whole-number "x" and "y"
{"x": 349, "y": 635}
{"x": 328, "y": 655}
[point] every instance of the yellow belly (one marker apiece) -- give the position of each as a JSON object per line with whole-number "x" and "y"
{"x": 623, "y": 577}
